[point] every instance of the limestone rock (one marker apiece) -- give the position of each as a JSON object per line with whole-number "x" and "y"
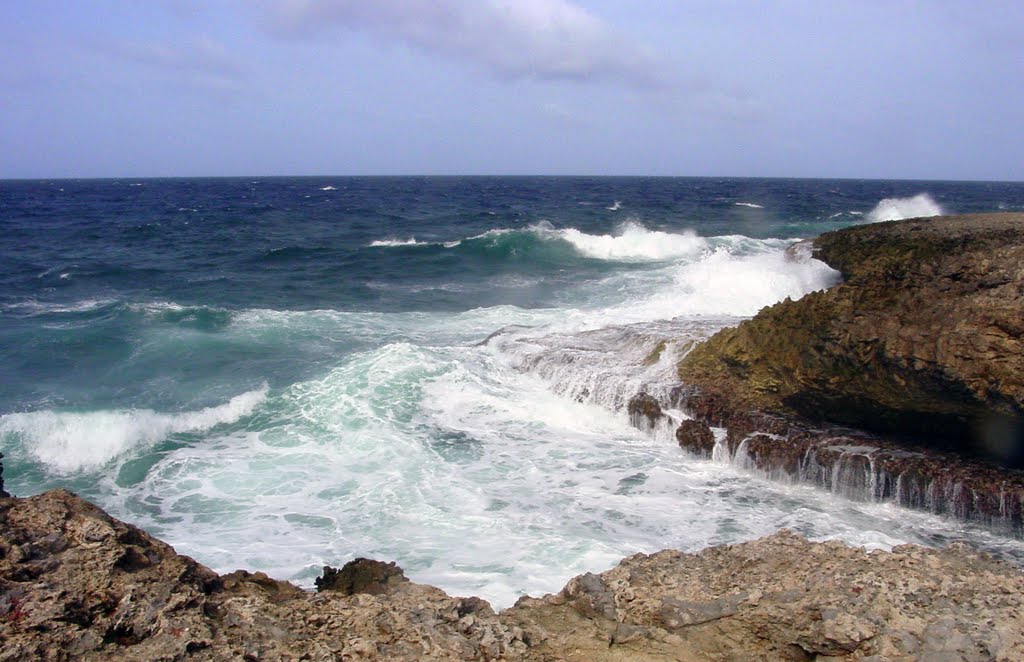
{"x": 361, "y": 576}
{"x": 76, "y": 584}
{"x": 924, "y": 338}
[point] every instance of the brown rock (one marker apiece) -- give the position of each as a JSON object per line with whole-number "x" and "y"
{"x": 696, "y": 437}
{"x": 779, "y": 598}
{"x": 925, "y": 337}
{"x": 644, "y": 411}
{"x": 3, "y": 493}
{"x": 361, "y": 576}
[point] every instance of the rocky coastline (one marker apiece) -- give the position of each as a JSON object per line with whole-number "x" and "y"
{"x": 78, "y": 584}
{"x": 903, "y": 383}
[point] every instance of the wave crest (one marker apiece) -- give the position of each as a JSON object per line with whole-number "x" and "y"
{"x": 385, "y": 243}
{"x": 921, "y": 205}
{"x": 67, "y": 442}
{"x": 635, "y": 242}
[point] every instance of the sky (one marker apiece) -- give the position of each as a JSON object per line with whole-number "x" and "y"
{"x": 865, "y": 89}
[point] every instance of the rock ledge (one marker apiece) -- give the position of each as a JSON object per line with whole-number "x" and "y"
{"x": 78, "y": 584}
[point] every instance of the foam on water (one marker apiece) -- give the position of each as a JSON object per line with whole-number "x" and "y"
{"x": 895, "y": 209}
{"x": 32, "y": 307}
{"x": 488, "y": 451}
{"x": 634, "y": 242}
{"x": 67, "y": 442}
{"x": 382, "y": 243}
{"x": 470, "y": 473}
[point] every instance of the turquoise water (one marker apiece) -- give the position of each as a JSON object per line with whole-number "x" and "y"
{"x": 283, "y": 373}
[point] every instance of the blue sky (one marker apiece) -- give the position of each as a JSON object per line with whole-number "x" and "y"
{"x": 888, "y": 89}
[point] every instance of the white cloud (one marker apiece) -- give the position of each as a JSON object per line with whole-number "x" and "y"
{"x": 541, "y": 39}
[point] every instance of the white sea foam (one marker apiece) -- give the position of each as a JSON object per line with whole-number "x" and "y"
{"x": 895, "y": 209}
{"x": 616, "y": 206}
{"x": 74, "y": 441}
{"x": 748, "y": 204}
{"x": 33, "y": 307}
{"x": 492, "y": 468}
{"x": 472, "y": 475}
{"x": 328, "y": 188}
{"x": 381, "y": 243}
{"x": 634, "y": 242}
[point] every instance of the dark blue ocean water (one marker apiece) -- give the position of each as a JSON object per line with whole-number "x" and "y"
{"x": 280, "y": 372}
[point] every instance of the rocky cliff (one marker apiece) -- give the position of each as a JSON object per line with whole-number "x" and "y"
{"x": 924, "y": 339}
{"x": 78, "y": 584}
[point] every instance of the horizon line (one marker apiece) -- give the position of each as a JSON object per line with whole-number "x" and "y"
{"x": 492, "y": 176}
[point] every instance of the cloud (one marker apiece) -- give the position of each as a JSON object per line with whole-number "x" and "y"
{"x": 538, "y": 39}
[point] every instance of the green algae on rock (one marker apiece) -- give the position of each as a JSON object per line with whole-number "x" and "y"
{"x": 924, "y": 338}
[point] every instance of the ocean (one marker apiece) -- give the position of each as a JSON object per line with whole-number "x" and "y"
{"x": 281, "y": 373}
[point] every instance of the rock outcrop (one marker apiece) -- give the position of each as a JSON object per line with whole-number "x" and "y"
{"x": 78, "y": 584}
{"x": 3, "y": 493}
{"x": 924, "y": 339}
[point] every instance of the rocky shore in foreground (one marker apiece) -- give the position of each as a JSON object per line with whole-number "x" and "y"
{"x": 78, "y": 584}
{"x": 903, "y": 383}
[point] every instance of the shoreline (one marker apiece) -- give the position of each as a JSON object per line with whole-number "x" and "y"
{"x": 79, "y": 584}
{"x": 904, "y": 383}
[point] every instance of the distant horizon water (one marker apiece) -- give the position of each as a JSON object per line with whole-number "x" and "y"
{"x": 917, "y": 180}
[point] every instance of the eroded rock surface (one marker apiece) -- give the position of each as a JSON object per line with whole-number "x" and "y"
{"x": 925, "y": 338}
{"x": 784, "y": 598}
{"x": 78, "y": 584}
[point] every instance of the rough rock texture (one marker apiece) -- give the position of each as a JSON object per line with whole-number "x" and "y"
{"x": 784, "y": 598}
{"x": 857, "y": 464}
{"x": 696, "y": 437}
{"x": 361, "y": 576}
{"x": 924, "y": 338}
{"x": 77, "y": 584}
{"x": 3, "y": 493}
{"x": 644, "y": 411}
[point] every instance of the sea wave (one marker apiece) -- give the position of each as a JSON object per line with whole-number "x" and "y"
{"x": 921, "y": 205}
{"x": 386, "y": 243}
{"x": 33, "y": 307}
{"x": 632, "y": 242}
{"x": 68, "y": 442}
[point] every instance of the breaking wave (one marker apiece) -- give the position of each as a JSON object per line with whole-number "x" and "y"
{"x": 631, "y": 243}
{"x": 68, "y": 442}
{"x": 896, "y": 209}
{"x": 384, "y": 243}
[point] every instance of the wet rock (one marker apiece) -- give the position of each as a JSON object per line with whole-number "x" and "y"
{"x": 696, "y": 437}
{"x": 644, "y": 411}
{"x": 918, "y": 355}
{"x": 3, "y": 493}
{"x": 924, "y": 338}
